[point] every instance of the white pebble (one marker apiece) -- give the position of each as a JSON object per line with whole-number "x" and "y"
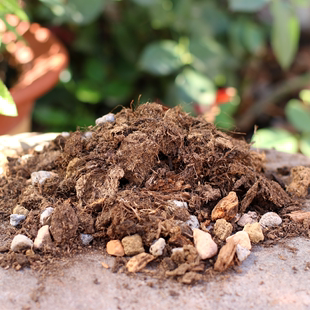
{"x": 174, "y": 250}
{"x": 181, "y": 204}
{"x": 193, "y": 222}
{"x": 106, "y": 118}
{"x": 65, "y": 134}
{"x": 242, "y": 253}
{"x": 45, "y": 215}
{"x": 24, "y": 158}
{"x": 43, "y": 237}
{"x": 15, "y": 219}
{"x": 247, "y": 218}
{"x": 40, "y": 147}
{"x": 157, "y": 247}
{"x": 88, "y": 134}
{"x": 40, "y": 176}
{"x": 204, "y": 244}
{"x": 21, "y": 242}
{"x": 270, "y": 219}
{"x": 86, "y": 239}
{"x": 242, "y": 238}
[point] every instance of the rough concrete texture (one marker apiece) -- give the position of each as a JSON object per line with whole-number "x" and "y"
{"x": 271, "y": 278}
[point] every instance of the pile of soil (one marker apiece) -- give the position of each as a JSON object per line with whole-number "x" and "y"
{"x": 120, "y": 180}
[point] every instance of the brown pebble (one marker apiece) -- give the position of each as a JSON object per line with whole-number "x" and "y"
{"x": 115, "y": 248}
{"x": 226, "y": 208}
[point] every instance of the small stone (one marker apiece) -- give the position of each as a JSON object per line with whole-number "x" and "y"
{"x": 88, "y": 134}
{"x": 242, "y": 253}
{"x": 242, "y": 238}
{"x": 255, "y": 232}
{"x": 222, "y": 229}
{"x": 106, "y": 118}
{"x": 21, "y": 242}
{"x": 300, "y": 181}
{"x": 20, "y": 210}
{"x": 40, "y": 147}
{"x": 16, "y": 219}
{"x": 247, "y": 218}
{"x": 204, "y": 244}
{"x": 181, "y": 204}
{"x": 139, "y": 261}
{"x": 40, "y": 177}
{"x": 133, "y": 245}
{"x": 193, "y": 222}
{"x": 226, "y": 208}
{"x": 65, "y": 134}
{"x": 43, "y": 238}
{"x": 226, "y": 255}
{"x": 157, "y": 247}
{"x": 86, "y": 239}
{"x": 45, "y": 215}
{"x": 270, "y": 219}
{"x": 23, "y": 159}
{"x": 115, "y": 248}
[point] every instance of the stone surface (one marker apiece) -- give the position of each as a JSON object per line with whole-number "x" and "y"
{"x": 255, "y": 232}
{"x": 139, "y": 261}
{"x": 226, "y": 208}
{"x": 157, "y": 248}
{"x": 193, "y": 222}
{"x": 16, "y": 219}
{"x": 300, "y": 181}
{"x": 133, "y": 245}
{"x": 106, "y": 118}
{"x": 115, "y": 248}
{"x": 270, "y": 219}
{"x": 86, "y": 239}
{"x": 242, "y": 253}
{"x": 20, "y": 210}
{"x": 222, "y": 229}
{"x": 242, "y": 238}
{"x": 39, "y": 177}
{"x": 45, "y": 215}
{"x": 43, "y": 238}
{"x": 204, "y": 244}
{"x": 21, "y": 242}
{"x": 247, "y": 218}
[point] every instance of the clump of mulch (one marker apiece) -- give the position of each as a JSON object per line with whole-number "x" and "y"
{"x": 122, "y": 178}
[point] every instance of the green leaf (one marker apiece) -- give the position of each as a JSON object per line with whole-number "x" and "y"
{"x": 193, "y": 86}
{"x": 305, "y": 144}
{"x": 88, "y": 92}
{"x": 285, "y": 33}
{"x": 298, "y": 115}
{"x": 12, "y": 7}
{"x": 304, "y": 95}
{"x": 145, "y": 2}
{"x": 247, "y": 5}
{"x": 275, "y": 138}
{"x": 253, "y": 37}
{"x": 7, "y": 104}
{"x": 161, "y": 58}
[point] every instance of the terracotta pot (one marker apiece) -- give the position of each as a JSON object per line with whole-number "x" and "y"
{"x": 41, "y": 60}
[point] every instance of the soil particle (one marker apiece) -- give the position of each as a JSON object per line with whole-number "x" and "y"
{"x": 139, "y": 261}
{"x": 225, "y": 259}
{"x": 64, "y": 223}
{"x": 300, "y": 181}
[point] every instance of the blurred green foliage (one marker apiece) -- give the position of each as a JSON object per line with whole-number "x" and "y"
{"x": 172, "y": 51}
{"x": 297, "y": 112}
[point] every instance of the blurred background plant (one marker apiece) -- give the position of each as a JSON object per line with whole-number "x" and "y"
{"x": 7, "y": 105}
{"x": 251, "y": 55}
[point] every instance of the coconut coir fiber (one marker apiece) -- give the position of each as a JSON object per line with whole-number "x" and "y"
{"x": 121, "y": 180}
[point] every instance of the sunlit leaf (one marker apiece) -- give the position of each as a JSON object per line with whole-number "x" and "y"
{"x": 285, "y": 33}
{"x": 12, "y": 7}
{"x": 305, "y": 96}
{"x": 275, "y": 138}
{"x": 161, "y": 58}
{"x": 88, "y": 92}
{"x": 195, "y": 87}
{"x": 305, "y": 144}
{"x": 7, "y": 104}
{"x": 247, "y": 5}
{"x": 298, "y": 115}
